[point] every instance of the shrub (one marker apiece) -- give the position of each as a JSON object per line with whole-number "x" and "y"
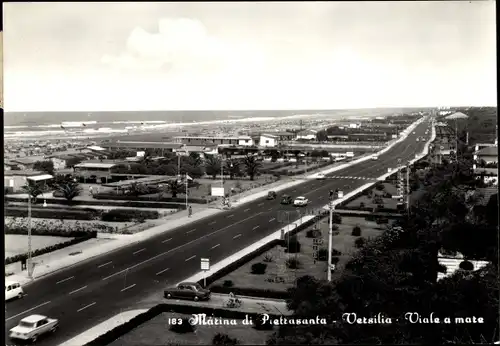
{"x": 335, "y": 260}
{"x": 337, "y": 219}
{"x": 124, "y": 215}
{"x": 322, "y": 254}
{"x": 259, "y": 268}
{"x": 379, "y": 186}
{"x": 313, "y": 233}
{"x": 268, "y": 257}
{"x": 293, "y": 246}
{"x": 336, "y": 252}
{"x": 292, "y": 263}
{"x": 356, "y": 231}
{"x": 53, "y": 213}
{"x": 228, "y": 283}
{"x": 182, "y": 328}
{"x": 361, "y": 205}
{"x": 360, "y": 242}
{"x": 224, "y": 339}
{"x": 466, "y": 265}
{"x": 335, "y": 227}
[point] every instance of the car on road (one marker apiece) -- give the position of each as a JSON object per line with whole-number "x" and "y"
{"x": 320, "y": 176}
{"x": 187, "y": 290}
{"x": 375, "y": 157}
{"x": 286, "y": 199}
{"x": 300, "y": 201}
{"x": 32, "y": 327}
{"x": 13, "y": 290}
{"x": 272, "y": 195}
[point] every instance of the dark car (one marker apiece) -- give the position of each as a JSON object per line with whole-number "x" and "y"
{"x": 285, "y": 199}
{"x": 188, "y": 290}
{"x": 272, "y": 195}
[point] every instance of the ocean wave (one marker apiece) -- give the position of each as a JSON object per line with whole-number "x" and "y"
{"x": 138, "y": 122}
{"x": 77, "y": 123}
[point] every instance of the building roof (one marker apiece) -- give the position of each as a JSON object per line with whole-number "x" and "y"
{"x": 214, "y": 137}
{"x": 95, "y": 165}
{"x": 145, "y": 145}
{"x": 26, "y": 173}
{"x": 24, "y": 161}
{"x": 40, "y": 177}
{"x": 33, "y": 318}
{"x": 96, "y": 148}
{"x": 269, "y": 135}
{"x": 488, "y": 151}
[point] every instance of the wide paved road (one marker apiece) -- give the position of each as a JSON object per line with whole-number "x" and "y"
{"x": 90, "y": 292}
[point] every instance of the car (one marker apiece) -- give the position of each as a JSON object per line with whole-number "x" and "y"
{"x": 417, "y": 139}
{"x": 375, "y": 157}
{"x": 285, "y": 199}
{"x": 413, "y": 132}
{"x": 320, "y": 176}
{"x": 32, "y": 327}
{"x": 188, "y": 290}
{"x": 13, "y": 290}
{"x": 300, "y": 201}
{"x": 272, "y": 195}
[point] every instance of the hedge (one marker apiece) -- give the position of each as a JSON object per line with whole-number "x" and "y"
{"x": 302, "y": 171}
{"x": 38, "y": 252}
{"x": 124, "y": 215}
{"x": 117, "y": 332}
{"x": 108, "y": 196}
{"x": 53, "y": 213}
{"x": 113, "y": 203}
{"x": 251, "y": 292}
{"x": 48, "y": 232}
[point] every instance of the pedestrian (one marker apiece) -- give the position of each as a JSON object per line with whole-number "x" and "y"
{"x": 190, "y": 211}
{"x": 91, "y": 190}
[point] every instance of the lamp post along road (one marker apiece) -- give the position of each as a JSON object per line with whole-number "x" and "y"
{"x": 330, "y": 239}
{"x": 30, "y": 272}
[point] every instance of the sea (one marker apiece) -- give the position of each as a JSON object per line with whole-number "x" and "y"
{"x": 22, "y": 125}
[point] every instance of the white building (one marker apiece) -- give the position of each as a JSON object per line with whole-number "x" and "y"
{"x": 245, "y": 141}
{"x": 307, "y": 134}
{"x": 267, "y": 140}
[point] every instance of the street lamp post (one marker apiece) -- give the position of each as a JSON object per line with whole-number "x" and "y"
{"x": 330, "y": 238}
{"x": 30, "y": 273}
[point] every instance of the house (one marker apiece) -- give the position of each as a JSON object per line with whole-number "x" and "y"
{"x": 141, "y": 146}
{"x": 204, "y": 140}
{"x": 267, "y": 140}
{"x": 284, "y": 136}
{"x": 15, "y": 180}
{"x": 309, "y": 135}
{"x": 98, "y": 171}
{"x": 488, "y": 155}
{"x": 24, "y": 163}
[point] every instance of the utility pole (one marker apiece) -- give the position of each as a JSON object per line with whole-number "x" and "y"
{"x": 30, "y": 271}
{"x": 187, "y": 190}
{"x": 330, "y": 239}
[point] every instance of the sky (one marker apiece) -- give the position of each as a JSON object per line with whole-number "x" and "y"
{"x": 248, "y": 55}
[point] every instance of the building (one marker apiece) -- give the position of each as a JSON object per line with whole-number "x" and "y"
{"x": 284, "y": 136}
{"x": 488, "y": 155}
{"x": 371, "y": 137}
{"x": 268, "y": 140}
{"x": 218, "y": 140}
{"x": 99, "y": 171}
{"x": 24, "y": 163}
{"x": 141, "y": 146}
{"x": 309, "y": 135}
{"x": 15, "y": 180}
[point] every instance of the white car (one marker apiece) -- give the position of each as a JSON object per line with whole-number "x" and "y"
{"x": 300, "y": 202}
{"x": 375, "y": 157}
{"x": 13, "y": 290}
{"x": 32, "y": 327}
{"x": 320, "y": 176}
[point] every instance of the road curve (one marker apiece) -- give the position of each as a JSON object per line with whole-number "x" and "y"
{"x": 90, "y": 292}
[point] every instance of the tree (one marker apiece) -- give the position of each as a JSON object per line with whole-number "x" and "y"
{"x": 33, "y": 190}
{"x": 296, "y": 153}
{"x": 174, "y": 186}
{"x": 233, "y": 168}
{"x": 69, "y": 189}
{"x": 46, "y": 166}
{"x": 195, "y": 159}
{"x": 194, "y": 172}
{"x": 212, "y": 166}
{"x": 252, "y": 166}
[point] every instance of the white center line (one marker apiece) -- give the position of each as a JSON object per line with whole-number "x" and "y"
{"x": 164, "y": 241}
{"x": 180, "y": 247}
{"x": 126, "y": 288}
{"x": 79, "y": 289}
{"x": 33, "y": 308}
{"x": 61, "y": 281}
{"x": 246, "y": 209}
{"x": 194, "y": 229}
{"x": 213, "y": 222}
{"x": 237, "y": 236}
{"x": 190, "y": 258}
{"x": 85, "y": 307}
{"x": 141, "y": 250}
{"x": 230, "y": 216}
{"x": 104, "y": 264}
{"x": 272, "y": 219}
{"x": 213, "y": 247}
{"x": 162, "y": 271}
{"x": 255, "y": 227}
{"x": 260, "y": 204}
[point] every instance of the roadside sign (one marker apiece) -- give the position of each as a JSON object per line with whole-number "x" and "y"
{"x": 205, "y": 264}
{"x": 217, "y": 191}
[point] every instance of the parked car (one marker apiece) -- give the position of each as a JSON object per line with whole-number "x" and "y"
{"x": 187, "y": 290}
{"x": 13, "y": 290}
{"x": 320, "y": 176}
{"x": 300, "y": 202}
{"x": 272, "y": 195}
{"x": 375, "y": 157}
{"x": 32, "y": 327}
{"x": 285, "y": 199}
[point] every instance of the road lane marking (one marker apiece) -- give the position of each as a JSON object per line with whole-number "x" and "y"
{"x": 104, "y": 264}
{"x": 190, "y": 258}
{"x": 272, "y": 219}
{"x": 246, "y": 210}
{"x": 162, "y": 271}
{"x": 79, "y": 289}
{"x": 213, "y": 222}
{"x": 61, "y": 281}
{"x": 213, "y": 247}
{"x": 141, "y": 250}
{"x": 164, "y": 241}
{"x": 33, "y": 308}
{"x": 230, "y": 216}
{"x": 180, "y": 247}
{"x": 255, "y": 227}
{"x": 237, "y": 236}
{"x": 194, "y": 229}
{"x": 85, "y": 307}
{"x": 126, "y": 288}
{"x": 260, "y": 204}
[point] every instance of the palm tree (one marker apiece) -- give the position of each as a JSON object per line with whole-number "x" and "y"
{"x": 296, "y": 153}
{"x": 69, "y": 190}
{"x": 174, "y": 187}
{"x": 33, "y": 190}
{"x": 137, "y": 189}
{"x": 252, "y": 166}
{"x": 233, "y": 168}
{"x": 212, "y": 166}
{"x": 195, "y": 159}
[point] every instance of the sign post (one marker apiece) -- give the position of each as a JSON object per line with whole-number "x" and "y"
{"x": 205, "y": 266}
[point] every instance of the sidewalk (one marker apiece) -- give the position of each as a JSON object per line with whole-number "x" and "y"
{"x": 249, "y": 305}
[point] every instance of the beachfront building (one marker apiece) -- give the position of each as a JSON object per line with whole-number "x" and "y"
{"x": 268, "y": 140}
{"x": 15, "y": 180}
{"x": 309, "y": 135}
{"x": 218, "y": 140}
{"x": 160, "y": 147}
{"x": 99, "y": 171}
